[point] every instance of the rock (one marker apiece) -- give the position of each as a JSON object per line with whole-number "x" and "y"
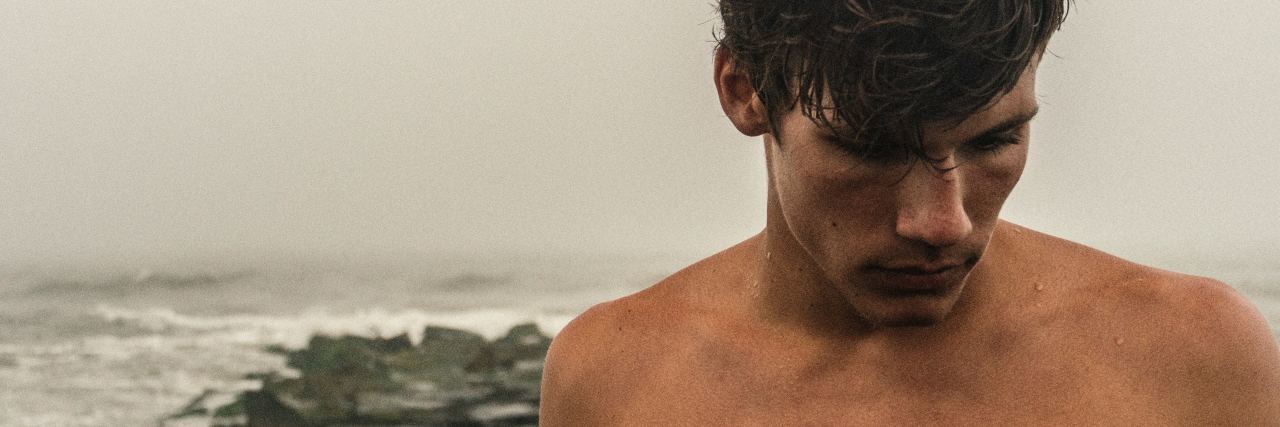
{"x": 522, "y": 342}
{"x": 450, "y": 347}
{"x": 454, "y": 377}
{"x": 230, "y": 415}
{"x": 520, "y": 356}
{"x": 264, "y": 409}
{"x": 335, "y": 371}
{"x": 347, "y": 354}
{"x": 443, "y": 358}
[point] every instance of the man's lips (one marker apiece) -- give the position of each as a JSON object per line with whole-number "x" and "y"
{"x": 921, "y": 279}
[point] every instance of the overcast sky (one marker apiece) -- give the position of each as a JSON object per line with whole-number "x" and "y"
{"x": 174, "y": 127}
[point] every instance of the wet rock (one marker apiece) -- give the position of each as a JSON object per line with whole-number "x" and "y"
{"x": 524, "y": 342}
{"x": 230, "y": 415}
{"x": 519, "y": 356}
{"x": 264, "y": 408}
{"x": 347, "y": 354}
{"x": 452, "y": 348}
{"x": 453, "y": 377}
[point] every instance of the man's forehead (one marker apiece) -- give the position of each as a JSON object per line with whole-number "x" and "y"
{"x": 1018, "y": 105}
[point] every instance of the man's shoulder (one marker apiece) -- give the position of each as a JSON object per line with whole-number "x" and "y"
{"x": 602, "y": 330}
{"x": 1207, "y": 342}
{"x": 596, "y": 359}
{"x": 1096, "y": 278}
{"x": 1093, "y": 281}
{"x": 1190, "y": 334}
{"x": 667, "y": 307}
{"x": 1102, "y": 277}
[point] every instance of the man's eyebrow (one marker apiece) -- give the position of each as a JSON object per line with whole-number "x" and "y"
{"x": 1004, "y": 126}
{"x": 1012, "y": 122}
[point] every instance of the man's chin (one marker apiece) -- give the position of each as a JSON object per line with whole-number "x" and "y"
{"x": 912, "y": 322}
{"x": 918, "y": 312}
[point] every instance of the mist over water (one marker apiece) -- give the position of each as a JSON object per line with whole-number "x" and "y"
{"x": 126, "y": 346}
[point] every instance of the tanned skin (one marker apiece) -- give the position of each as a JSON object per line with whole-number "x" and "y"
{"x": 890, "y": 293}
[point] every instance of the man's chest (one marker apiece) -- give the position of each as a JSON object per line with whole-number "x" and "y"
{"x": 1021, "y": 391}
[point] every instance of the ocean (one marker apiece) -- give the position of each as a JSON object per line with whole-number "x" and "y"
{"x": 130, "y": 344}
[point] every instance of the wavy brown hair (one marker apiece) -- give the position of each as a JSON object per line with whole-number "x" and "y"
{"x": 881, "y": 68}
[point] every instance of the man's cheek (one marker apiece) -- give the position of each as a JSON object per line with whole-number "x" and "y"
{"x": 988, "y": 195}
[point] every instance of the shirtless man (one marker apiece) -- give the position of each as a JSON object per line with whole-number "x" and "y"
{"x": 884, "y": 289}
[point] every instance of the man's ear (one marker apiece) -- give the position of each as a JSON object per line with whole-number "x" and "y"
{"x": 738, "y": 98}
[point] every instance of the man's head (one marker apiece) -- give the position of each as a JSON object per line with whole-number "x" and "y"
{"x": 881, "y": 68}
{"x": 894, "y": 132}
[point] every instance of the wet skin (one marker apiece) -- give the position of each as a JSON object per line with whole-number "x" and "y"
{"x": 885, "y": 292}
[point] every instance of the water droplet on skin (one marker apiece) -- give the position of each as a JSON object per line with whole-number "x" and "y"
{"x": 1039, "y": 287}
{"x": 1119, "y": 340}
{"x": 768, "y": 255}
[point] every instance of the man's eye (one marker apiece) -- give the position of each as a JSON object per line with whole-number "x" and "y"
{"x": 880, "y": 153}
{"x": 993, "y": 143}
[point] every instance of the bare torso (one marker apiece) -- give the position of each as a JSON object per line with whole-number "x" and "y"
{"x": 1075, "y": 337}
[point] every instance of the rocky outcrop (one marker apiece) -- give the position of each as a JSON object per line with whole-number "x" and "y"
{"x": 453, "y": 378}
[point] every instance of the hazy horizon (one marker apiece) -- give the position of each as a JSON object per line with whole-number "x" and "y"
{"x": 141, "y": 130}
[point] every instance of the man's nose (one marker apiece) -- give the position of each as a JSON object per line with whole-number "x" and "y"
{"x": 931, "y": 205}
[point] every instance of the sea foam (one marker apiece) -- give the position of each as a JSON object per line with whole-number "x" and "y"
{"x": 293, "y": 330}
